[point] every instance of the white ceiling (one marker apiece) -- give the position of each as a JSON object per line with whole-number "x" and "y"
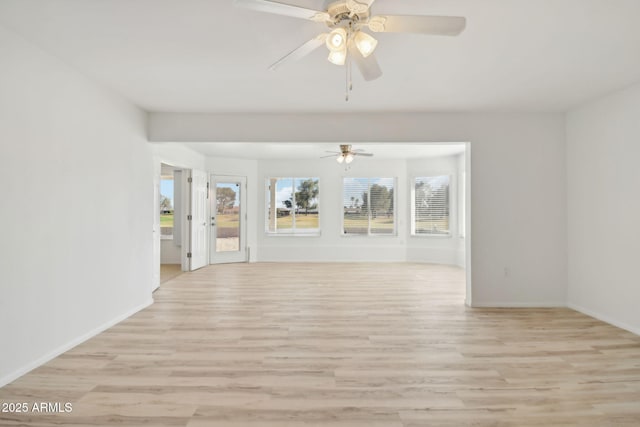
{"x": 291, "y": 150}
{"x": 208, "y": 56}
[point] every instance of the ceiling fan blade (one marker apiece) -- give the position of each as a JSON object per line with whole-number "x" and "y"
{"x": 331, "y": 155}
{"x": 368, "y": 66}
{"x": 433, "y": 25}
{"x": 363, "y": 154}
{"x": 283, "y": 9}
{"x": 359, "y": 6}
{"x": 301, "y": 51}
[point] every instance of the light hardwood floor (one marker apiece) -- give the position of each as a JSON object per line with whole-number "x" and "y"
{"x": 338, "y": 345}
{"x": 169, "y": 271}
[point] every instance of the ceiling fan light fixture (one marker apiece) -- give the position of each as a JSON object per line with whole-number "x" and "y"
{"x": 337, "y": 40}
{"x": 340, "y": 158}
{"x": 365, "y": 43}
{"x": 344, "y": 22}
{"x": 348, "y": 158}
{"x": 338, "y": 57}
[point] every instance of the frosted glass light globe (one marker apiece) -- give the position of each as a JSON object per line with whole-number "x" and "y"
{"x": 337, "y": 40}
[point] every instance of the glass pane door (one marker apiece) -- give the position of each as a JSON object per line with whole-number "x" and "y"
{"x": 228, "y": 219}
{"x": 227, "y": 216}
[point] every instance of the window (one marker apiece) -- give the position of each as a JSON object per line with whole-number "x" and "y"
{"x": 430, "y": 205}
{"x": 292, "y": 206}
{"x": 368, "y": 206}
{"x": 166, "y": 207}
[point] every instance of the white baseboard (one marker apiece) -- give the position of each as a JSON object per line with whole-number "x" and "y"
{"x": 331, "y": 253}
{"x": 68, "y": 346}
{"x": 506, "y": 304}
{"x": 604, "y": 318}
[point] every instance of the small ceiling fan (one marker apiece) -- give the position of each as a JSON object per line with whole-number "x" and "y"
{"x": 347, "y": 154}
{"x": 346, "y": 21}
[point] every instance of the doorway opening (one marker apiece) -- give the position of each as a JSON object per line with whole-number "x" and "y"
{"x": 171, "y": 196}
{"x": 199, "y": 219}
{"x": 422, "y": 196}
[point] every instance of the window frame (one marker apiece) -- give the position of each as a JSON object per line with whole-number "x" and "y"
{"x": 395, "y": 208}
{"x": 292, "y": 233}
{"x": 412, "y": 206}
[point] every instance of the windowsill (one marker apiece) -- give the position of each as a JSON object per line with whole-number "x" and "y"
{"x": 298, "y": 234}
{"x": 166, "y": 237}
{"x": 432, "y": 236}
{"x": 350, "y": 235}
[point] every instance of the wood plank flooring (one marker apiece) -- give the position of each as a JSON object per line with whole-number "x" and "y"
{"x": 338, "y": 345}
{"x": 169, "y": 271}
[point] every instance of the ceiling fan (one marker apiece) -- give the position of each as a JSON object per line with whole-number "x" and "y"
{"x": 347, "y": 154}
{"x": 346, "y": 39}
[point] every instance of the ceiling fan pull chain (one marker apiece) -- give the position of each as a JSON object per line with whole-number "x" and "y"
{"x": 350, "y": 74}
{"x": 347, "y": 64}
{"x": 346, "y": 79}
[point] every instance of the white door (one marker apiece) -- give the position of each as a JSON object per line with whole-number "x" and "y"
{"x": 155, "y": 284}
{"x": 198, "y": 220}
{"x": 228, "y": 219}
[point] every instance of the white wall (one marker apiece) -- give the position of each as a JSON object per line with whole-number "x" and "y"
{"x": 518, "y": 169}
{"x": 603, "y": 150}
{"x": 462, "y": 203}
{"x": 170, "y": 251}
{"x": 247, "y": 168}
{"x": 77, "y": 231}
{"x": 177, "y": 155}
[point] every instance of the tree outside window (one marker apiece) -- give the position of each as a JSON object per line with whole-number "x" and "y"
{"x": 166, "y": 207}
{"x": 292, "y": 206}
{"x": 368, "y": 206}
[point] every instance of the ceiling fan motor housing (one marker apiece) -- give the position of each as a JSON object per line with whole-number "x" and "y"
{"x": 340, "y": 14}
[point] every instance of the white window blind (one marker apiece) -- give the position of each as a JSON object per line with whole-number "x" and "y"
{"x": 368, "y": 206}
{"x": 430, "y": 205}
{"x": 292, "y": 206}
